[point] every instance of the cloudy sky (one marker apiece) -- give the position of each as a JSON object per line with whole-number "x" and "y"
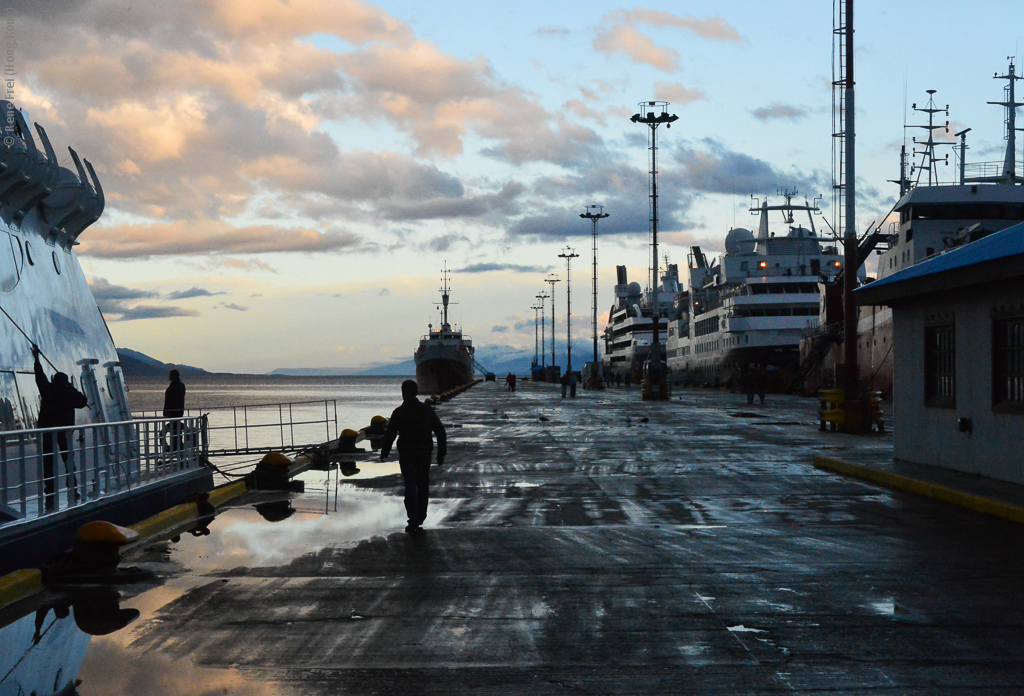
{"x": 285, "y": 179}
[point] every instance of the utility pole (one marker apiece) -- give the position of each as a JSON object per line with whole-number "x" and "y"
{"x": 569, "y": 254}
{"x": 543, "y": 356}
{"x": 654, "y": 114}
{"x": 595, "y": 213}
{"x": 552, "y": 279}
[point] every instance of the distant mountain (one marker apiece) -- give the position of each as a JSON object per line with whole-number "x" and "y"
{"x": 136, "y": 364}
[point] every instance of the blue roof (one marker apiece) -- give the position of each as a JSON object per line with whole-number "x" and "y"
{"x": 1003, "y": 244}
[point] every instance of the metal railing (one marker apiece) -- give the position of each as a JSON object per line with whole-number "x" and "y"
{"x": 261, "y": 428}
{"x": 50, "y": 469}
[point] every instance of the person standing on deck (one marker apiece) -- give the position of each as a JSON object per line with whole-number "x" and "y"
{"x": 57, "y": 403}
{"x": 174, "y": 407}
{"x": 412, "y": 423}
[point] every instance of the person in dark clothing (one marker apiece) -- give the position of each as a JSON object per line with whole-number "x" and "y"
{"x": 57, "y": 403}
{"x": 512, "y": 381}
{"x": 564, "y": 381}
{"x": 174, "y": 407}
{"x": 412, "y": 423}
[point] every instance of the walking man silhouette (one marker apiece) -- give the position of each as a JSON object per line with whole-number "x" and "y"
{"x": 174, "y": 407}
{"x": 412, "y": 423}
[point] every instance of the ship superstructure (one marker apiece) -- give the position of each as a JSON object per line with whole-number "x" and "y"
{"x": 934, "y": 215}
{"x": 444, "y": 358}
{"x": 749, "y": 307}
{"x": 629, "y": 334}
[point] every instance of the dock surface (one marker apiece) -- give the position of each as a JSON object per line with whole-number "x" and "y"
{"x": 576, "y": 548}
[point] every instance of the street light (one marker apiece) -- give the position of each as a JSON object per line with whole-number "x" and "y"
{"x": 569, "y": 254}
{"x": 595, "y": 213}
{"x": 536, "y": 344}
{"x": 551, "y": 280}
{"x": 543, "y": 358}
{"x": 653, "y": 114}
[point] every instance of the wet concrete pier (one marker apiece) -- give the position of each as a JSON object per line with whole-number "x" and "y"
{"x": 600, "y": 545}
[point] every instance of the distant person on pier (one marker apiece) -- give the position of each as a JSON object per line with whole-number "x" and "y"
{"x": 573, "y": 381}
{"x": 564, "y": 381}
{"x": 627, "y": 379}
{"x": 174, "y": 407}
{"x": 412, "y": 423}
{"x": 57, "y": 403}
{"x": 748, "y": 381}
{"x": 513, "y": 380}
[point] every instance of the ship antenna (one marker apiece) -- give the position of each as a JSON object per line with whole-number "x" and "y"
{"x": 444, "y": 298}
{"x": 1009, "y": 174}
{"x": 928, "y": 159}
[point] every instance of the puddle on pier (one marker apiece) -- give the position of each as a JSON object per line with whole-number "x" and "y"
{"x": 82, "y": 642}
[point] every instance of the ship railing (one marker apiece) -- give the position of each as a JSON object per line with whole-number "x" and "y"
{"x": 261, "y": 428}
{"x": 46, "y": 470}
{"x": 983, "y": 170}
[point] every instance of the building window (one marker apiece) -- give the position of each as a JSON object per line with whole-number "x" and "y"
{"x": 1008, "y": 365}
{"x": 939, "y": 367}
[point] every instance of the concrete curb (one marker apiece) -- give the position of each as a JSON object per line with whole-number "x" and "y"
{"x": 25, "y": 583}
{"x": 977, "y": 503}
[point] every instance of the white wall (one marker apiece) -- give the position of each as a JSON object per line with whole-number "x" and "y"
{"x": 929, "y": 435}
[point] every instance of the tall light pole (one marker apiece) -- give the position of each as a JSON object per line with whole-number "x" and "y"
{"x": 536, "y": 344}
{"x": 595, "y": 213}
{"x": 543, "y": 357}
{"x": 552, "y": 279}
{"x": 654, "y": 114}
{"x": 569, "y": 254}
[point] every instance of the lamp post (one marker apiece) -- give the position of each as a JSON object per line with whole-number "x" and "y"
{"x": 595, "y": 213}
{"x": 568, "y": 255}
{"x": 536, "y": 344}
{"x": 543, "y": 358}
{"x": 653, "y": 114}
{"x": 551, "y": 280}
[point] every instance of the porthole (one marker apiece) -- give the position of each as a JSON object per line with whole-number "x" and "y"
{"x": 56, "y": 263}
{"x": 28, "y": 254}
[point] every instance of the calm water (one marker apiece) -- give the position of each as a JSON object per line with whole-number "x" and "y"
{"x": 243, "y": 410}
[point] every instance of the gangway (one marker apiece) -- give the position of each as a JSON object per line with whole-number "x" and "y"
{"x": 488, "y": 375}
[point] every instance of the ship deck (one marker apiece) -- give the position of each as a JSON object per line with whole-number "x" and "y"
{"x": 588, "y": 552}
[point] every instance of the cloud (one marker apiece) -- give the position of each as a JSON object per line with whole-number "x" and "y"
{"x": 623, "y": 37}
{"x": 713, "y": 28}
{"x": 104, "y": 291}
{"x": 232, "y": 305}
{"x": 151, "y": 312}
{"x": 637, "y": 46}
{"x": 677, "y": 94}
{"x": 778, "y": 110}
{"x": 499, "y": 329}
{"x": 191, "y": 292}
{"x": 551, "y": 30}
{"x": 493, "y": 267}
{"x": 384, "y": 293}
{"x": 716, "y": 169}
{"x": 207, "y": 237}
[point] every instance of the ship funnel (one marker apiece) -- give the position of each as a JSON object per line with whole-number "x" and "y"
{"x": 620, "y": 275}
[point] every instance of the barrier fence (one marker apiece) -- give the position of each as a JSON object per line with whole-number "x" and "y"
{"x": 49, "y": 469}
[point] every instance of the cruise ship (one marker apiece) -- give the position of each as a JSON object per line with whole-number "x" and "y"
{"x": 749, "y": 307}
{"x": 445, "y": 358}
{"x": 629, "y": 333}
{"x": 933, "y": 214}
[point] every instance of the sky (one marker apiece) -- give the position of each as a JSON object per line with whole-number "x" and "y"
{"x": 286, "y": 180}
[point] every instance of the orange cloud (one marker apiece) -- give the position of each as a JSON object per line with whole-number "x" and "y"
{"x": 207, "y": 237}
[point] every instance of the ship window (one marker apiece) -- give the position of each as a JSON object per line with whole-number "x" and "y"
{"x": 11, "y": 261}
{"x": 939, "y": 366}
{"x": 1008, "y": 365}
{"x": 910, "y": 233}
{"x": 56, "y": 263}
{"x": 929, "y": 251}
{"x": 28, "y": 254}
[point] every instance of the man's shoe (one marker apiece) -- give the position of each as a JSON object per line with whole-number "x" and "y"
{"x": 413, "y": 528}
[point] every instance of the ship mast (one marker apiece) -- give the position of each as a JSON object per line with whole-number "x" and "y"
{"x": 1009, "y": 174}
{"x": 445, "y": 326}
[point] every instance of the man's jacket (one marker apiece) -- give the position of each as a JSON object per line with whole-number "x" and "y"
{"x": 413, "y": 422}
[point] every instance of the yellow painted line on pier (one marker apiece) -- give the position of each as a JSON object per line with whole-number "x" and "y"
{"x": 222, "y": 494}
{"x": 19, "y": 585}
{"x": 986, "y": 506}
{"x": 165, "y": 521}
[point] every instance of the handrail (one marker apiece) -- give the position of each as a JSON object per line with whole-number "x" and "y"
{"x": 45, "y": 470}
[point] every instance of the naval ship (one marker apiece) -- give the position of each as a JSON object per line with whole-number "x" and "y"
{"x": 444, "y": 359}
{"x": 105, "y": 465}
{"x": 933, "y": 216}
